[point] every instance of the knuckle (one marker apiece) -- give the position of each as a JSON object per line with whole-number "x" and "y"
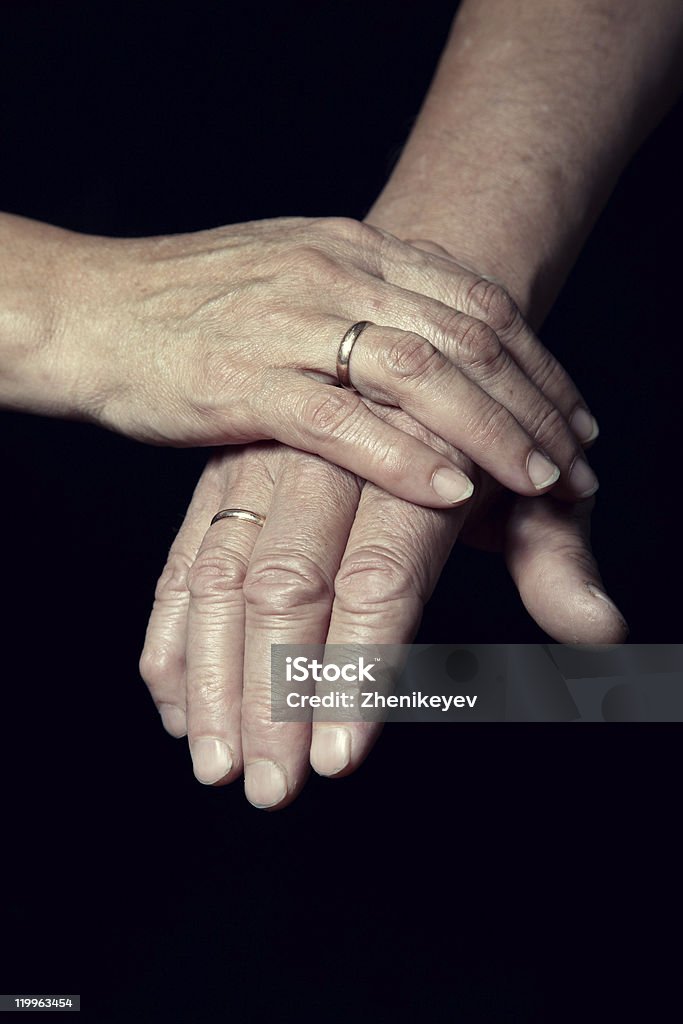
{"x": 478, "y": 346}
{"x": 281, "y": 584}
{"x": 549, "y": 373}
{"x": 551, "y": 427}
{"x": 358, "y": 240}
{"x": 215, "y": 574}
{"x": 412, "y": 359}
{"x": 172, "y": 584}
{"x": 330, "y": 413}
{"x": 372, "y": 576}
{"x": 347, "y": 229}
{"x": 309, "y": 261}
{"x": 156, "y": 665}
{"x": 322, "y": 266}
{"x": 489, "y": 301}
{"x": 449, "y": 323}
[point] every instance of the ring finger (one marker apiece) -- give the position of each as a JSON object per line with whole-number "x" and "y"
{"x": 215, "y": 622}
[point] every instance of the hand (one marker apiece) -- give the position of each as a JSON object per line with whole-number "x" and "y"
{"x": 316, "y": 574}
{"x": 231, "y": 335}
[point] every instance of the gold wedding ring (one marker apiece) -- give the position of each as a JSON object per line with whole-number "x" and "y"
{"x": 245, "y": 514}
{"x": 345, "y": 350}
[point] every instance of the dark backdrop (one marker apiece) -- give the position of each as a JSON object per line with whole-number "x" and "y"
{"x": 446, "y": 877}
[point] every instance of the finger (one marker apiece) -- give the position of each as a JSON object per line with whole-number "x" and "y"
{"x": 548, "y": 553}
{"x": 215, "y": 623}
{"x": 404, "y": 369}
{"x": 487, "y": 300}
{"x": 288, "y": 594}
{"x": 434, "y": 274}
{"x": 475, "y": 349}
{"x": 162, "y": 663}
{"x": 338, "y": 425}
{"x": 392, "y": 561}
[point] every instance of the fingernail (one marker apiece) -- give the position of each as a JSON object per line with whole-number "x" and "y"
{"x": 582, "y": 478}
{"x": 451, "y": 485}
{"x": 542, "y": 472}
{"x": 584, "y": 425}
{"x": 330, "y": 750}
{"x": 211, "y": 759}
{"x": 265, "y": 783}
{"x": 173, "y": 719}
{"x": 602, "y": 596}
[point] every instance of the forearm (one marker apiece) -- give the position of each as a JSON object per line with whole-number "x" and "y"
{"x": 534, "y": 111}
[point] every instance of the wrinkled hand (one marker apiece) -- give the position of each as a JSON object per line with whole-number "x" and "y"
{"x": 231, "y": 335}
{"x": 335, "y": 562}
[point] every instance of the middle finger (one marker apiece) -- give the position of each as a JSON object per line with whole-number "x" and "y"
{"x": 288, "y": 597}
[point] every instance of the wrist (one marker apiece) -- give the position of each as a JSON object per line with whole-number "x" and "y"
{"x": 38, "y": 365}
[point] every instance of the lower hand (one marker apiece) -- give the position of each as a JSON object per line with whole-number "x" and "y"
{"x": 335, "y": 562}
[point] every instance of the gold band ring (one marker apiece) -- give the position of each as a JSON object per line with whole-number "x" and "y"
{"x": 244, "y": 514}
{"x": 344, "y": 353}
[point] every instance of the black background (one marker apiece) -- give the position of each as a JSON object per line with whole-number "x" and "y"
{"x": 479, "y": 874}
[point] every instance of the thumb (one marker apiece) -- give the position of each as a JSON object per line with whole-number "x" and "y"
{"x": 548, "y": 553}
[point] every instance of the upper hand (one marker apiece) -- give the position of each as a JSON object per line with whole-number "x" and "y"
{"x": 231, "y": 335}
